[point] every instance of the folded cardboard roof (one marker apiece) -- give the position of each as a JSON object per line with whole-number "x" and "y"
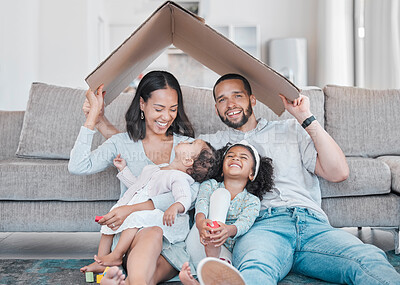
{"x": 172, "y": 24}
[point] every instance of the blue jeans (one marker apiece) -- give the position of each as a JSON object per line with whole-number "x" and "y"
{"x": 302, "y": 240}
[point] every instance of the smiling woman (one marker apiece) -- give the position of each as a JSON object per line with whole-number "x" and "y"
{"x": 156, "y": 122}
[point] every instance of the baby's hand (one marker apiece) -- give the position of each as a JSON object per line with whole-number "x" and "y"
{"x": 170, "y": 214}
{"x": 119, "y": 162}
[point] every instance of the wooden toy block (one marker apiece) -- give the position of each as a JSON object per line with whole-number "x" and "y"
{"x": 89, "y": 277}
{"x": 99, "y": 277}
{"x": 214, "y": 225}
{"x": 98, "y": 218}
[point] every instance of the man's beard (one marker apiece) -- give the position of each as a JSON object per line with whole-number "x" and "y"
{"x": 246, "y": 115}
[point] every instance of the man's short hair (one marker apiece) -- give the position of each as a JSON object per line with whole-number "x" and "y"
{"x": 229, "y": 76}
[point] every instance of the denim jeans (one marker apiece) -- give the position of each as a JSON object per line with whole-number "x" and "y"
{"x": 302, "y": 240}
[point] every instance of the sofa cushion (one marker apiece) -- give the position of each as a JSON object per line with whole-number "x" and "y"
{"x": 11, "y": 125}
{"x": 51, "y": 216}
{"x": 394, "y": 164}
{"x": 53, "y": 119}
{"x": 363, "y": 122}
{"x": 367, "y": 176}
{"x": 367, "y": 211}
{"x": 199, "y": 105}
{"x": 43, "y": 179}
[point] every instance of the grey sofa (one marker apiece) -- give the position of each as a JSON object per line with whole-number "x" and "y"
{"x": 37, "y": 193}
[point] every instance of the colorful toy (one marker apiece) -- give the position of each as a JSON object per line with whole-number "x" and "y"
{"x": 98, "y": 218}
{"x": 100, "y": 276}
{"x": 214, "y": 225}
{"x": 89, "y": 277}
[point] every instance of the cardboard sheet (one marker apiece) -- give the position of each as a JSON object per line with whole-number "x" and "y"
{"x": 172, "y": 24}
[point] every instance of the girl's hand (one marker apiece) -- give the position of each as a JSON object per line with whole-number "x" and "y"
{"x": 220, "y": 235}
{"x": 117, "y": 216}
{"x": 119, "y": 162}
{"x": 204, "y": 230}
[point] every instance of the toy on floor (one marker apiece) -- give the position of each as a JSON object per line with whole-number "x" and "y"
{"x": 89, "y": 277}
{"x": 100, "y": 276}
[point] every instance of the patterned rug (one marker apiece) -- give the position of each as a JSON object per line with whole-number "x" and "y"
{"x": 59, "y": 271}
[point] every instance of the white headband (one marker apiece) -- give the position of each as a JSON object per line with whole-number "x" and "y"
{"x": 256, "y": 155}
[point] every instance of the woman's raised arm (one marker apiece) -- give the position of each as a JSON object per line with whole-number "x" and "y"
{"x": 93, "y": 108}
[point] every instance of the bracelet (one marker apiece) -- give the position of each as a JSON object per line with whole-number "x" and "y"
{"x": 308, "y": 121}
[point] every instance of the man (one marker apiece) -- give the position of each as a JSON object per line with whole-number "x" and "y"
{"x": 292, "y": 231}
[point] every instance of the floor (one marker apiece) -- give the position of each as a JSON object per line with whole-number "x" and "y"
{"x": 83, "y": 245}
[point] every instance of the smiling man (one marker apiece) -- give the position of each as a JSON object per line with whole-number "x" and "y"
{"x": 292, "y": 231}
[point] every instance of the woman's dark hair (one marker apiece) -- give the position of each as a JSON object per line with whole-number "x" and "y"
{"x": 205, "y": 165}
{"x": 153, "y": 81}
{"x": 264, "y": 180}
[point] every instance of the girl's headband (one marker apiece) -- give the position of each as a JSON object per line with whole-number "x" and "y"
{"x": 256, "y": 155}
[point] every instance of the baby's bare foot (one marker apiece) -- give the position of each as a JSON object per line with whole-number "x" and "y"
{"x": 111, "y": 259}
{"x": 186, "y": 276}
{"x": 93, "y": 267}
{"x": 113, "y": 276}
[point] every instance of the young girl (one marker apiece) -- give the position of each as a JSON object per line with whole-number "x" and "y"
{"x": 246, "y": 177}
{"x": 194, "y": 161}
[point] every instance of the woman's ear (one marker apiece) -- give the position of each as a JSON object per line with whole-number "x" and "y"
{"x": 141, "y": 103}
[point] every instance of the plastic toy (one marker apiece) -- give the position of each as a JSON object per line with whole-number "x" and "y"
{"x": 214, "y": 225}
{"x": 98, "y": 218}
{"x": 89, "y": 277}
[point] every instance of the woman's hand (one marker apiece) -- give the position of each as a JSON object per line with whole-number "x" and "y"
{"x": 117, "y": 216}
{"x": 93, "y": 107}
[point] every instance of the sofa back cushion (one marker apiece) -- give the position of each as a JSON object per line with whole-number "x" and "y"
{"x": 53, "y": 118}
{"x": 363, "y": 122}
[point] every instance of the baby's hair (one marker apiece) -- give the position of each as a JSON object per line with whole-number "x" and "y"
{"x": 264, "y": 181}
{"x": 205, "y": 165}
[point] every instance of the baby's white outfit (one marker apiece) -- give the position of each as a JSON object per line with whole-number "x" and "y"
{"x": 152, "y": 182}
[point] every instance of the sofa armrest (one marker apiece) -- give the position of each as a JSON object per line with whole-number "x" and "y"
{"x": 10, "y": 130}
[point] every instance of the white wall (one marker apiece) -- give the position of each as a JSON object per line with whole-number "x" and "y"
{"x": 51, "y": 41}
{"x": 18, "y": 51}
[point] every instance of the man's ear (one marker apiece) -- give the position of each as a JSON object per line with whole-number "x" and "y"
{"x": 253, "y": 100}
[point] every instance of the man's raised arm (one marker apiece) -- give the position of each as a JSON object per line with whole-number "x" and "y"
{"x": 331, "y": 162}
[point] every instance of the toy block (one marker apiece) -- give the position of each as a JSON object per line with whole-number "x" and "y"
{"x": 89, "y": 277}
{"x": 214, "y": 225}
{"x": 98, "y": 218}
{"x": 99, "y": 277}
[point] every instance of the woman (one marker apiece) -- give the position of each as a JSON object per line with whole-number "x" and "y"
{"x": 155, "y": 122}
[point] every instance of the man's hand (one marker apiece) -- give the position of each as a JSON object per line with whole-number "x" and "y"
{"x": 117, "y": 216}
{"x": 299, "y": 108}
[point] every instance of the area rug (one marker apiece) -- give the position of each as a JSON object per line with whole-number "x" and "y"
{"x": 66, "y": 271}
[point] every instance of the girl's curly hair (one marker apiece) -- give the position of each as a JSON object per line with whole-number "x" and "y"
{"x": 264, "y": 181}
